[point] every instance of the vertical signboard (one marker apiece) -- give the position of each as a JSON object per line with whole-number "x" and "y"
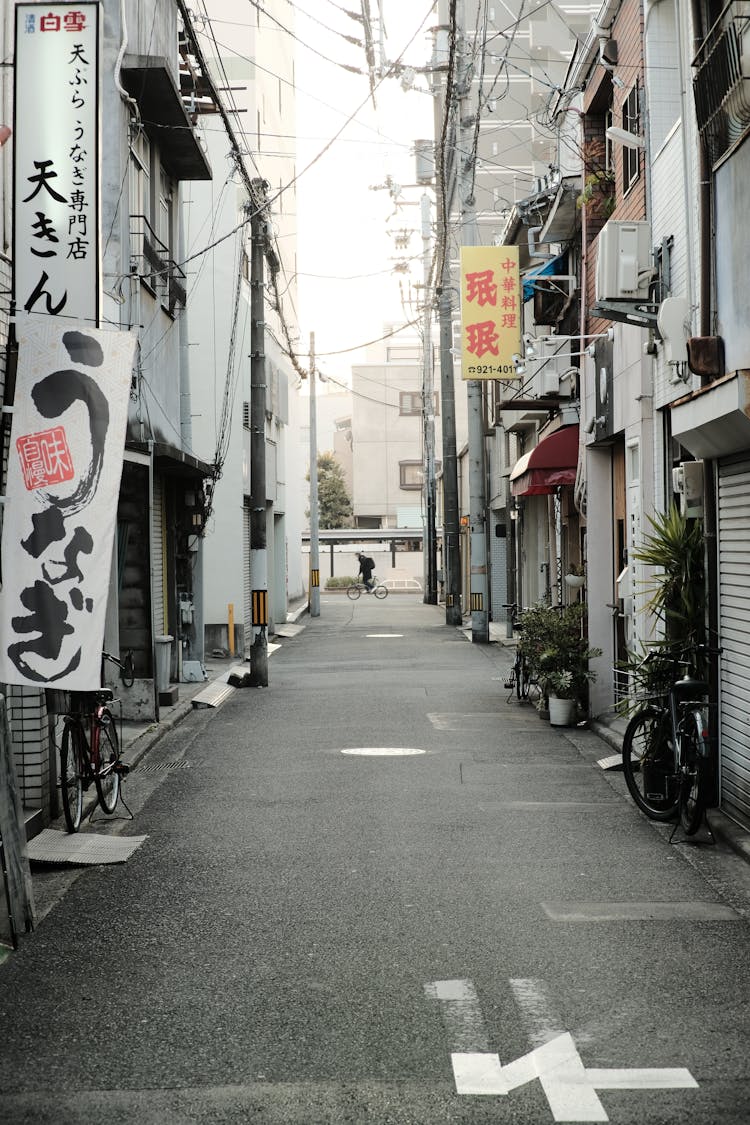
{"x": 56, "y": 161}
{"x": 64, "y": 469}
{"x": 491, "y": 310}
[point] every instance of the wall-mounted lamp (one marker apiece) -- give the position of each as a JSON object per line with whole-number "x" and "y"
{"x": 625, "y": 137}
{"x": 516, "y": 508}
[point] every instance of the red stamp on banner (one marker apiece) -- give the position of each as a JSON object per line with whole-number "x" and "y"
{"x": 45, "y": 458}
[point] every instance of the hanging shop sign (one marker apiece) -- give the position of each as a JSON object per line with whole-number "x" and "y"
{"x": 491, "y": 308}
{"x": 64, "y": 469}
{"x": 56, "y": 161}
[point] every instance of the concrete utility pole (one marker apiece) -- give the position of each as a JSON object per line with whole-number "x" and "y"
{"x": 428, "y": 418}
{"x": 480, "y": 621}
{"x": 444, "y": 185}
{"x": 258, "y": 529}
{"x": 314, "y": 598}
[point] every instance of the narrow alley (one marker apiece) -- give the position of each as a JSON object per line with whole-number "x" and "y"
{"x": 379, "y": 892}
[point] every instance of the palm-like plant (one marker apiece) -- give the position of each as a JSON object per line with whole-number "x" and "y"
{"x": 677, "y": 592}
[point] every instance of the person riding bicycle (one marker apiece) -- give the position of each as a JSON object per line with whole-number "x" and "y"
{"x": 366, "y": 567}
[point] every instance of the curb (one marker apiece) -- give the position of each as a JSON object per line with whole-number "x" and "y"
{"x": 722, "y": 827}
{"x": 729, "y": 832}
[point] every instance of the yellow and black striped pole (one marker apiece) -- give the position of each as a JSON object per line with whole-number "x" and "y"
{"x": 260, "y": 609}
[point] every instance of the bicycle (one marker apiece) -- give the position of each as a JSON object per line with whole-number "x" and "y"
{"x": 519, "y": 678}
{"x": 667, "y": 743}
{"x": 358, "y": 588}
{"x": 90, "y": 748}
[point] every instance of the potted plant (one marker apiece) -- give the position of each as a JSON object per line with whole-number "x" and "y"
{"x": 558, "y": 653}
{"x": 575, "y": 577}
{"x": 565, "y": 677}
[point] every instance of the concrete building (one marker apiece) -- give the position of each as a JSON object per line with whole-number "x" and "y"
{"x": 150, "y": 148}
{"x": 220, "y": 340}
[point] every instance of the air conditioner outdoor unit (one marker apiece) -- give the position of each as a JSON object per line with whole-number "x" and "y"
{"x": 548, "y": 377}
{"x": 624, "y": 266}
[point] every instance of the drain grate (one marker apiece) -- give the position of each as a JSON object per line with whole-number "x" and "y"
{"x": 159, "y": 767}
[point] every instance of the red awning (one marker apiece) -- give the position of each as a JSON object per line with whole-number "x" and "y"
{"x": 548, "y": 465}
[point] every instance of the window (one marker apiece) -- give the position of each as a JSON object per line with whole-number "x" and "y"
{"x": 630, "y": 156}
{"x": 410, "y": 403}
{"x": 411, "y": 474}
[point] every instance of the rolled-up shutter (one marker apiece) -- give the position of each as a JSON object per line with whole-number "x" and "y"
{"x": 734, "y": 624}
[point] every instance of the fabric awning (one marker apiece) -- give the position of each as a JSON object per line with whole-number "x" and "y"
{"x": 550, "y": 464}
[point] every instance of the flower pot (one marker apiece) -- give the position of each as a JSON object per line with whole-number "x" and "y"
{"x": 575, "y": 581}
{"x": 561, "y": 711}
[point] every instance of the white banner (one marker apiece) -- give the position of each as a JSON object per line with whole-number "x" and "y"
{"x": 56, "y": 160}
{"x": 64, "y": 469}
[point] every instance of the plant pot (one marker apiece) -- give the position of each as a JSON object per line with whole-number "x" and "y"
{"x": 561, "y": 711}
{"x": 575, "y": 581}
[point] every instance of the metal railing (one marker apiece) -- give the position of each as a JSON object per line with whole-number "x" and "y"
{"x": 151, "y": 262}
{"x": 721, "y": 84}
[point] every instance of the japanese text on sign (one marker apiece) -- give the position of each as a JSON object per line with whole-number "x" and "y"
{"x": 56, "y": 219}
{"x": 68, "y": 436}
{"x": 491, "y": 311}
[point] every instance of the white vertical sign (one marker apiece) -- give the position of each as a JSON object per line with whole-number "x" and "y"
{"x": 64, "y": 469}
{"x": 56, "y": 161}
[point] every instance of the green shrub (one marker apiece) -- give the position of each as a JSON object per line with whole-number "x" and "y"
{"x": 339, "y": 583}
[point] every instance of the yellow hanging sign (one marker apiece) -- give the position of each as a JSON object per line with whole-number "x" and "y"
{"x": 491, "y": 312}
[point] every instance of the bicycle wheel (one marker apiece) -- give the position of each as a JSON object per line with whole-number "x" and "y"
{"x": 72, "y": 769}
{"x": 381, "y": 591}
{"x": 354, "y": 591}
{"x": 648, "y": 764}
{"x": 692, "y": 786}
{"x": 106, "y": 756}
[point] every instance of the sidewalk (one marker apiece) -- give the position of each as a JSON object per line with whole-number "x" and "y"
{"x": 611, "y": 730}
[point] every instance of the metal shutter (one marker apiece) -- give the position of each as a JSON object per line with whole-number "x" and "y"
{"x": 734, "y": 623}
{"x": 158, "y": 559}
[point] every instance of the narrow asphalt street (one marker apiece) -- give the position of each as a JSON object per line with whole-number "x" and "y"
{"x": 480, "y": 928}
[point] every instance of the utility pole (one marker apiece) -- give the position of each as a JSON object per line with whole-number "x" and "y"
{"x": 314, "y": 598}
{"x": 428, "y": 418}
{"x": 444, "y": 181}
{"x": 258, "y": 529}
{"x": 480, "y": 627}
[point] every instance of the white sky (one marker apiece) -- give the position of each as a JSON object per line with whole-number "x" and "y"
{"x": 345, "y": 257}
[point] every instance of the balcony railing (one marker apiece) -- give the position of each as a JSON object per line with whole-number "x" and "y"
{"x": 151, "y": 262}
{"x": 721, "y": 84}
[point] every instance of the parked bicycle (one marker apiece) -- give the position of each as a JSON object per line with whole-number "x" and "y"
{"x": 519, "y": 679}
{"x": 358, "y": 588}
{"x": 667, "y": 743}
{"x": 90, "y": 749}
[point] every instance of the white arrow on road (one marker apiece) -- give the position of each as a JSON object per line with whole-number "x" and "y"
{"x": 570, "y": 1088}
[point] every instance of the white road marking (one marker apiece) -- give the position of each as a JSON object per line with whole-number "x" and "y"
{"x": 477, "y": 1074}
{"x": 570, "y": 1088}
{"x": 536, "y": 1010}
{"x": 382, "y": 751}
{"x": 462, "y": 1015}
{"x": 381, "y": 635}
{"x": 611, "y": 762}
